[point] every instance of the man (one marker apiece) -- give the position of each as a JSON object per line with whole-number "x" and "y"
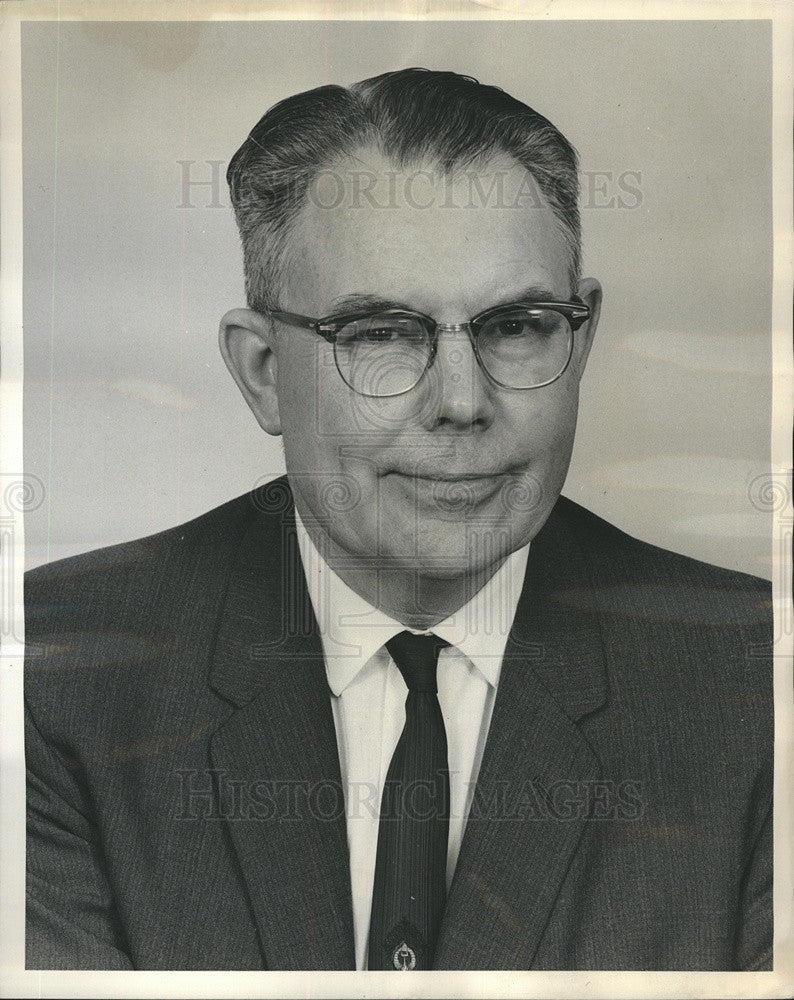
{"x": 407, "y": 708}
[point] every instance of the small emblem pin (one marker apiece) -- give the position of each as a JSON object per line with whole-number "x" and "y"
{"x": 404, "y": 958}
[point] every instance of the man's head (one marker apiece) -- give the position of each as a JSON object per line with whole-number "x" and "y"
{"x": 432, "y": 193}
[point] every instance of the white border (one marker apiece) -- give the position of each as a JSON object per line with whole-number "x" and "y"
{"x": 14, "y": 980}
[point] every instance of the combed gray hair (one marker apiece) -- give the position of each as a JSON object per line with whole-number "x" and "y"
{"x": 411, "y": 116}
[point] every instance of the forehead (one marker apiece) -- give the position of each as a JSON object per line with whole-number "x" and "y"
{"x": 415, "y": 235}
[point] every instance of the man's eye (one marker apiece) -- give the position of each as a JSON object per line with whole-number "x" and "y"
{"x": 381, "y": 330}
{"x": 535, "y": 324}
{"x": 378, "y": 334}
{"x": 513, "y": 327}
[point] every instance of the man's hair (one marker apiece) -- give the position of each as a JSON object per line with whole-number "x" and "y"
{"x": 412, "y": 116}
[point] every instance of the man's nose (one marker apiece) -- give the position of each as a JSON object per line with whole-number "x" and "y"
{"x": 461, "y": 396}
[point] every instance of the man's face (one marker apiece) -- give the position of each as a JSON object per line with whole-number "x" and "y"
{"x": 449, "y": 478}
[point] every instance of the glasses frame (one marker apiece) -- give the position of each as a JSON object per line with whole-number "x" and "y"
{"x": 575, "y": 312}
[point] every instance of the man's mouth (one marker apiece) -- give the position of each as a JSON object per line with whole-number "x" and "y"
{"x": 450, "y": 491}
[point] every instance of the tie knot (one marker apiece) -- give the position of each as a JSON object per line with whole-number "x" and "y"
{"x": 416, "y": 657}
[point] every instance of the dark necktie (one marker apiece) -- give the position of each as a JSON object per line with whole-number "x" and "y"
{"x": 410, "y": 868}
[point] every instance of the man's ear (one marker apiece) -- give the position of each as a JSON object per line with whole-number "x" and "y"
{"x": 247, "y": 344}
{"x": 589, "y": 292}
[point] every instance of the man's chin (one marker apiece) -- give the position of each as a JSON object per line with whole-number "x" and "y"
{"x": 459, "y": 551}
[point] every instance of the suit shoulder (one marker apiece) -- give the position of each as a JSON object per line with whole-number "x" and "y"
{"x": 697, "y": 631}
{"x": 101, "y": 621}
{"x": 152, "y": 554}
{"x": 142, "y": 584}
{"x": 616, "y": 552}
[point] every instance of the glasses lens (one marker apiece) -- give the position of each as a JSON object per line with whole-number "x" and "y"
{"x": 382, "y": 355}
{"x": 525, "y": 347}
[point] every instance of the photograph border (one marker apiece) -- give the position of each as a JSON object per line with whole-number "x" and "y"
{"x": 16, "y": 487}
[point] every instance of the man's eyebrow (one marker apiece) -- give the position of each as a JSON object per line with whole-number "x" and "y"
{"x": 360, "y": 302}
{"x": 532, "y": 293}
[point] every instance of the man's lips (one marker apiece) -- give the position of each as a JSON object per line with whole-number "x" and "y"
{"x": 448, "y": 477}
{"x": 447, "y": 489}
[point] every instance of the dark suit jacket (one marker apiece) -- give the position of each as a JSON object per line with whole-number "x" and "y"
{"x": 184, "y": 784}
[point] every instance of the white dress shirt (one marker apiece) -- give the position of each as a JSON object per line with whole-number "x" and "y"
{"x": 368, "y": 701}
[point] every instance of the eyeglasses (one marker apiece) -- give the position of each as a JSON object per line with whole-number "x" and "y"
{"x": 523, "y": 345}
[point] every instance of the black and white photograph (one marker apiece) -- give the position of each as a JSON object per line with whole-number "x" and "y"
{"x": 397, "y": 504}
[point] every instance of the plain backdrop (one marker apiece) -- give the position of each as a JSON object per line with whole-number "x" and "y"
{"x": 132, "y": 423}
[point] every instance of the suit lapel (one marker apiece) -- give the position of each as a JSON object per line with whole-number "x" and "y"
{"x": 279, "y": 749}
{"x": 520, "y": 837}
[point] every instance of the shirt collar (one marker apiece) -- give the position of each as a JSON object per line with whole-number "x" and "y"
{"x": 352, "y": 630}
